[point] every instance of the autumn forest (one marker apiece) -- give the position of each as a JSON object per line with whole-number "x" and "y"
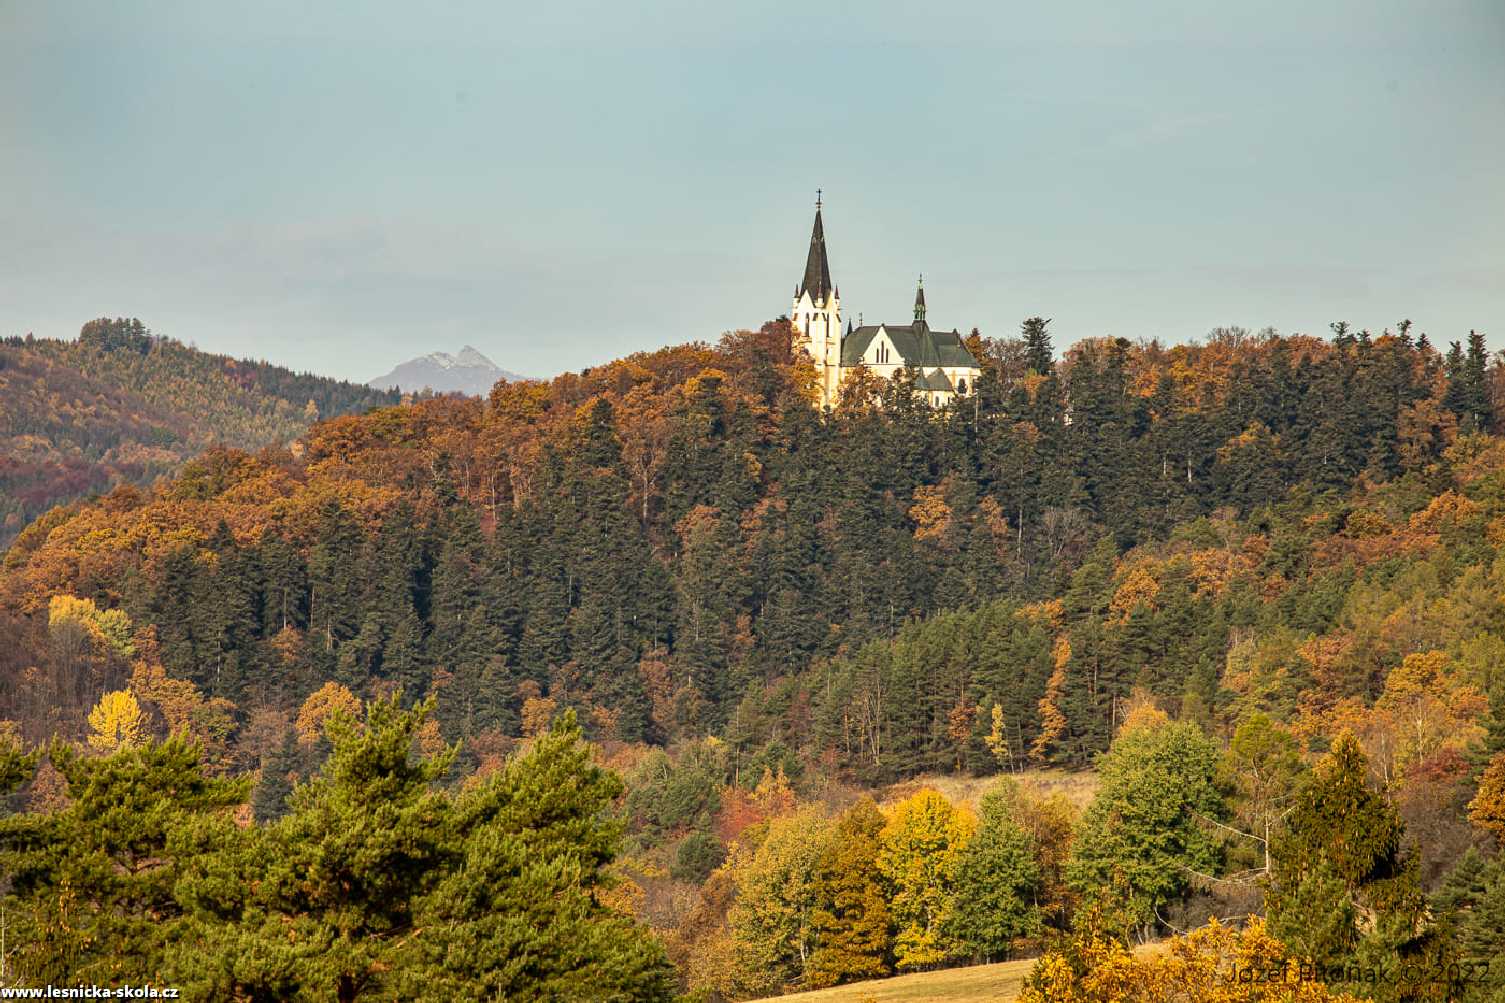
{"x": 655, "y": 681}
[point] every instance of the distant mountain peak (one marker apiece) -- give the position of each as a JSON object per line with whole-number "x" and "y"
{"x": 468, "y": 372}
{"x": 470, "y": 357}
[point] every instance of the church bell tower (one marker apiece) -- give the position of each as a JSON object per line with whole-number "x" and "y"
{"x": 816, "y": 314}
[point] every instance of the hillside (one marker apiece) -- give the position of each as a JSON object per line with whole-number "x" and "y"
{"x": 1243, "y": 579}
{"x": 122, "y": 405}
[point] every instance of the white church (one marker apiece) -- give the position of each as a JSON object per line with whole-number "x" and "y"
{"x": 943, "y": 367}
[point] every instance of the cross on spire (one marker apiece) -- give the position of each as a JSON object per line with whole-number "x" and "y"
{"x": 817, "y": 269}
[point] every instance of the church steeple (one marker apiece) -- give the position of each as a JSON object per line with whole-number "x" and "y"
{"x": 815, "y": 314}
{"x": 919, "y": 302}
{"x": 817, "y": 280}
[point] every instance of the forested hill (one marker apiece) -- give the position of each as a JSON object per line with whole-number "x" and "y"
{"x": 121, "y": 404}
{"x": 677, "y": 542}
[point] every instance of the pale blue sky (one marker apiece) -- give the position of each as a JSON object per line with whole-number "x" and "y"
{"x": 341, "y": 186}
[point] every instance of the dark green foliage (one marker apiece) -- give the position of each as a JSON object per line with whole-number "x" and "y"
{"x": 1343, "y": 887}
{"x": 666, "y": 796}
{"x": 997, "y": 882}
{"x": 1472, "y": 900}
{"x": 698, "y": 855}
{"x": 278, "y": 769}
{"x": 1146, "y": 832}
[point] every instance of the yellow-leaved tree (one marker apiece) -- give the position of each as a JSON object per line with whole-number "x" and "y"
{"x": 773, "y": 921}
{"x": 1487, "y": 809}
{"x": 919, "y": 855}
{"x": 321, "y": 705}
{"x": 117, "y": 722}
{"x": 109, "y": 629}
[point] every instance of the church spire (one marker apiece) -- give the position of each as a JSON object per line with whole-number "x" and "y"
{"x": 817, "y": 269}
{"x": 919, "y": 302}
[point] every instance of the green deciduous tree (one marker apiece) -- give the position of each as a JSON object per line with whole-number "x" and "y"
{"x": 1146, "y": 832}
{"x": 998, "y": 881}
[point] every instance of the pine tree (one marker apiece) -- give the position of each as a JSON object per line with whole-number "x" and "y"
{"x": 95, "y": 879}
{"x": 17, "y": 767}
{"x": 535, "y": 845}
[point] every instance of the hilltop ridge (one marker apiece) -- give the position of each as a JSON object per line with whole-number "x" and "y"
{"x": 120, "y": 404}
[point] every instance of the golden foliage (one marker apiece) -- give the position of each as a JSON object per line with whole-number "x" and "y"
{"x": 921, "y": 845}
{"x": 1138, "y": 587}
{"x": 1214, "y": 964}
{"x": 1048, "y": 613}
{"x": 117, "y": 722}
{"x": 1487, "y": 809}
{"x": 321, "y": 705}
{"x": 175, "y": 699}
{"x": 1446, "y": 512}
{"x": 109, "y": 629}
{"x": 1214, "y": 570}
{"x": 1256, "y": 436}
{"x": 1430, "y": 706}
{"x": 930, "y": 512}
{"x": 997, "y": 738}
{"x": 1052, "y": 721}
{"x": 1031, "y": 383}
{"x": 1141, "y": 713}
{"x": 538, "y": 712}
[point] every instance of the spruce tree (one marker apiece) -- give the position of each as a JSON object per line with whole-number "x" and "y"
{"x": 269, "y": 796}
{"x": 1343, "y": 887}
{"x": 1039, "y": 357}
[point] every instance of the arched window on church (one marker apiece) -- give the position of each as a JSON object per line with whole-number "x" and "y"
{"x": 961, "y": 386}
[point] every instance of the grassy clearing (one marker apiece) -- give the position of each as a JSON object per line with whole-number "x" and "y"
{"x": 992, "y": 983}
{"x": 1077, "y": 786}
{"x": 998, "y": 983}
